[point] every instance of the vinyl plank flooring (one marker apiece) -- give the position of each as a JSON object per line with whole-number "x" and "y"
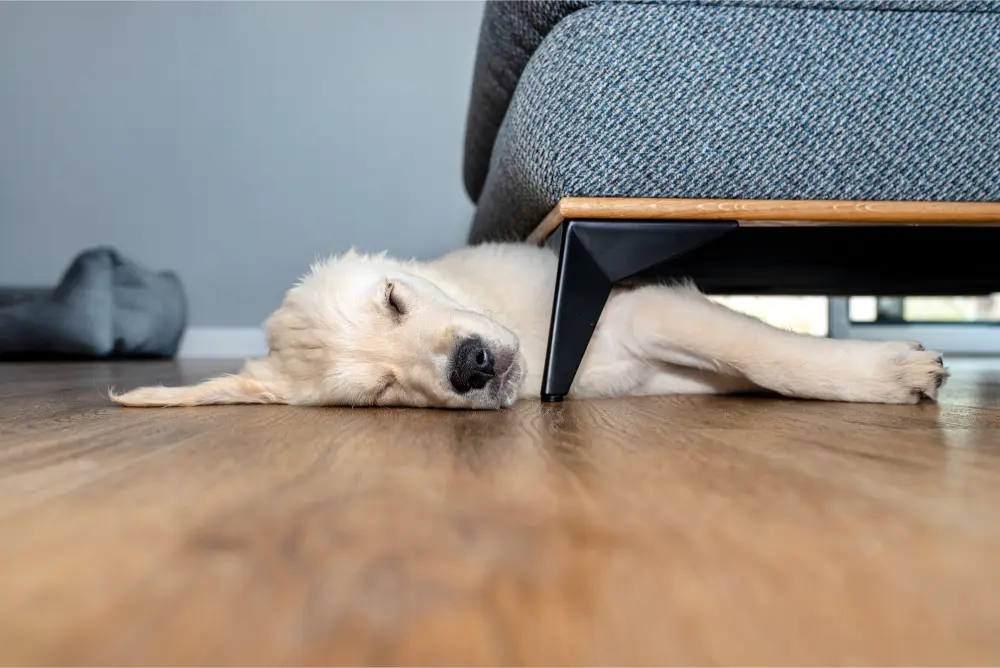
{"x": 691, "y": 530}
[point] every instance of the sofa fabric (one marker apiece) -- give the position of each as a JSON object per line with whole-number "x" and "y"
{"x": 876, "y": 99}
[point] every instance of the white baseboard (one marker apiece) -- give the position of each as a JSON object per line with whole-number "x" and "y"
{"x": 223, "y": 342}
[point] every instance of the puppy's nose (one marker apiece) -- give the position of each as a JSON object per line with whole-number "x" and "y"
{"x": 472, "y": 366}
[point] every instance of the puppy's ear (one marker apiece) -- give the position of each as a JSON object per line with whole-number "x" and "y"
{"x": 229, "y": 389}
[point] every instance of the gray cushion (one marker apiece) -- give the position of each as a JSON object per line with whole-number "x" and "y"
{"x": 798, "y": 100}
{"x": 511, "y": 31}
{"x": 104, "y": 306}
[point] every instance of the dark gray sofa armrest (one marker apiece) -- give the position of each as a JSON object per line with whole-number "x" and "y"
{"x": 509, "y": 34}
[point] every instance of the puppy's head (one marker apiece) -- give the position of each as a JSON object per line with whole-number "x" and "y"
{"x": 363, "y": 330}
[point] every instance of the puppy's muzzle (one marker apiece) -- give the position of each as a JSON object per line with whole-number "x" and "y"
{"x": 472, "y": 366}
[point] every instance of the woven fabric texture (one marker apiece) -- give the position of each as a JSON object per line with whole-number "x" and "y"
{"x": 511, "y": 31}
{"x": 744, "y": 99}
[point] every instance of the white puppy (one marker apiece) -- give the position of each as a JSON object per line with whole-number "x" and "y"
{"x": 469, "y": 330}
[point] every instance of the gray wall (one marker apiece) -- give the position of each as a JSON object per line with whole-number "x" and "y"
{"x": 231, "y": 142}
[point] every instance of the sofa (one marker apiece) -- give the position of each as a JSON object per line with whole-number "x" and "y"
{"x": 748, "y": 99}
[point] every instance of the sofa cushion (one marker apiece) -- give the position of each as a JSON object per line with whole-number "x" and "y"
{"x": 512, "y": 30}
{"x": 739, "y": 99}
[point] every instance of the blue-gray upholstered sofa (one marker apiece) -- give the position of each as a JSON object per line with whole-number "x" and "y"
{"x": 887, "y": 100}
{"x": 748, "y": 99}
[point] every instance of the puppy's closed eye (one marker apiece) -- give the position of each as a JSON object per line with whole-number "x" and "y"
{"x": 393, "y": 300}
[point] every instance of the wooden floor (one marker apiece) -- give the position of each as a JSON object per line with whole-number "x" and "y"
{"x": 661, "y": 530}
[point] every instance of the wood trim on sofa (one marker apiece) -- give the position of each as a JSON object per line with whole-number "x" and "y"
{"x": 768, "y": 213}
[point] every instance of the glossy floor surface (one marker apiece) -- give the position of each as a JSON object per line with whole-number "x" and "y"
{"x": 690, "y": 530}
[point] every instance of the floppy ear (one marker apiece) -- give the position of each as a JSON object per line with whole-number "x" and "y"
{"x": 228, "y": 389}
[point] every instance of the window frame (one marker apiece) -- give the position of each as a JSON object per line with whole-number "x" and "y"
{"x": 958, "y": 338}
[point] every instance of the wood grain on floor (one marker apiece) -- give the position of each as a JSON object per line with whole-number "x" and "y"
{"x": 692, "y": 530}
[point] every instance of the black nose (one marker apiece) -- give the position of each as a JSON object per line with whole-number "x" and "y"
{"x": 472, "y": 366}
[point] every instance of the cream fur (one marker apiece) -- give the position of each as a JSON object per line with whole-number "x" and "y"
{"x": 335, "y": 340}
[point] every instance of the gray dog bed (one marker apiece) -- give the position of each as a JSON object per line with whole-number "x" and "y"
{"x": 105, "y": 306}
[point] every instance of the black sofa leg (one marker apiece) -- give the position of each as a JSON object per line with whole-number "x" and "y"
{"x": 594, "y": 255}
{"x": 582, "y": 289}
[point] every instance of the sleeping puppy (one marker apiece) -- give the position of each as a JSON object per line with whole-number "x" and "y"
{"x": 469, "y": 330}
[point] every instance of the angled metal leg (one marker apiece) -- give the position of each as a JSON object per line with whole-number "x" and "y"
{"x": 582, "y": 289}
{"x": 593, "y": 257}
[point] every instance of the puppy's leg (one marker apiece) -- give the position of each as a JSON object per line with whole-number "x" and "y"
{"x": 255, "y": 384}
{"x": 680, "y": 326}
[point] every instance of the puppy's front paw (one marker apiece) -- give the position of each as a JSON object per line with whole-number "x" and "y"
{"x": 907, "y": 372}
